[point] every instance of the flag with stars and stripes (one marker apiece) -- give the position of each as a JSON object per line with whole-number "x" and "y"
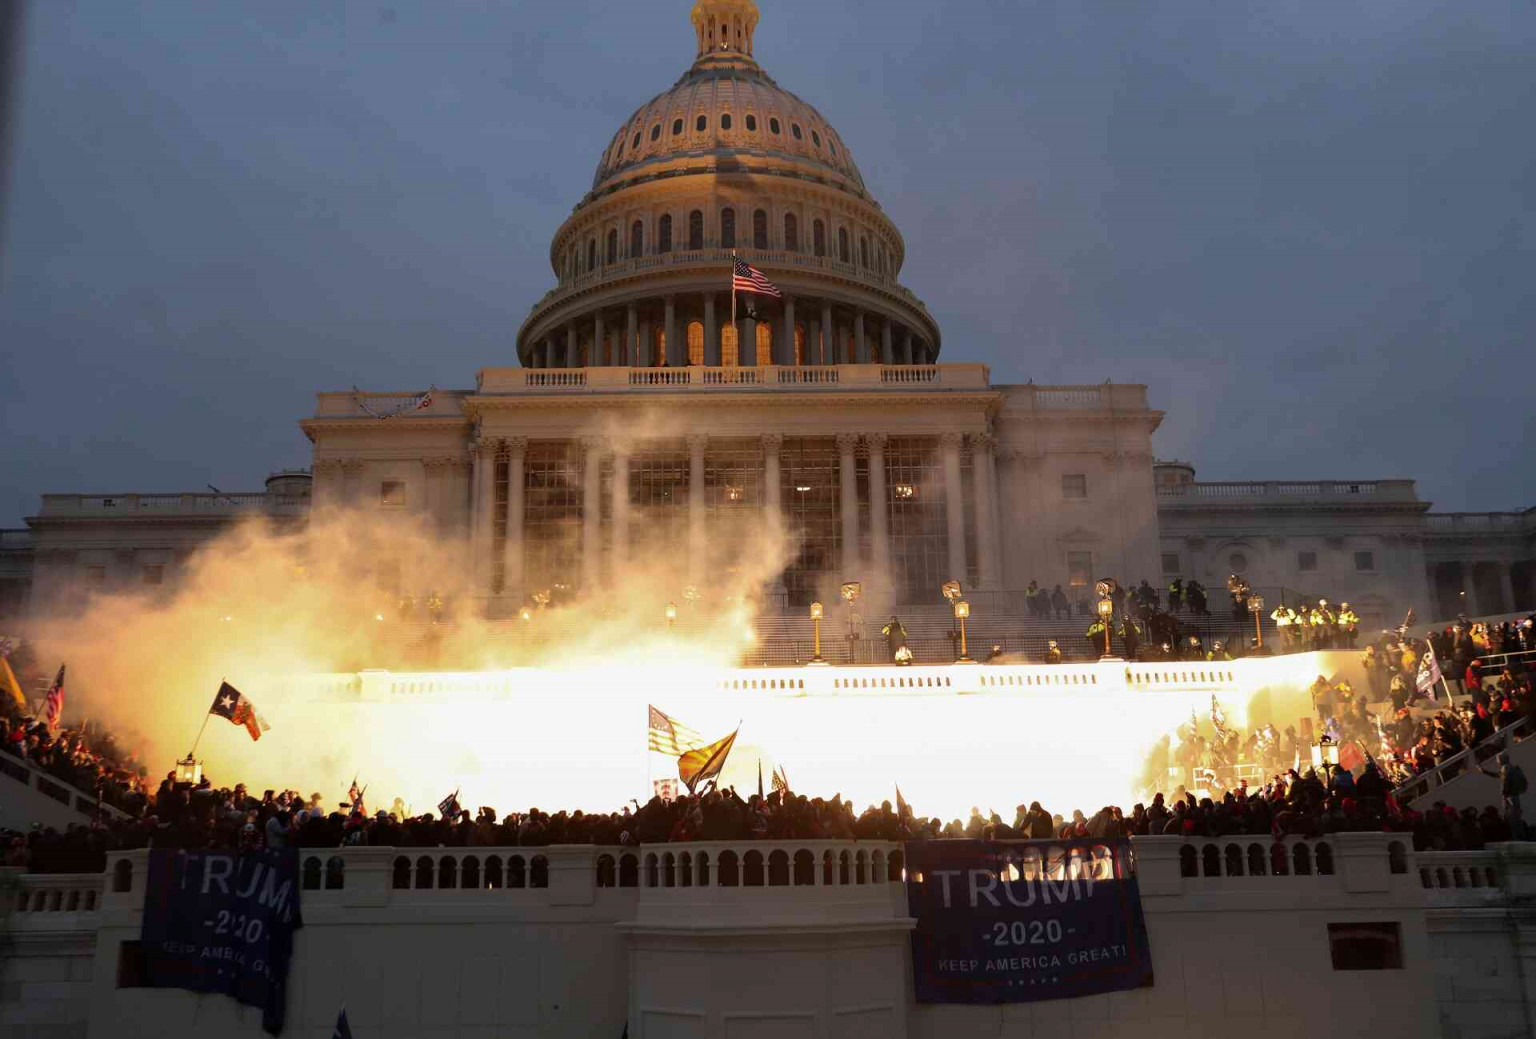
{"x": 669, "y": 736}
{"x": 747, "y": 278}
{"x": 55, "y": 708}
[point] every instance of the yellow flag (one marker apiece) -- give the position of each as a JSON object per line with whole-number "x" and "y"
{"x": 695, "y": 766}
{"x": 9, "y": 684}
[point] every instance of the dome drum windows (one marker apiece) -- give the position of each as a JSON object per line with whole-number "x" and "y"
{"x": 677, "y": 127}
{"x": 725, "y": 120}
{"x": 701, "y": 123}
{"x": 696, "y": 229}
{"x": 760, "y": 229}
{"x": 613, "y": 247}
{"x": 819, "y": 237}
{"x": 637, "y": 238}
{"x": 794, "y": 128}
{"x": 773, "y": 126}
{"x": 751, "y": 123}
{"x": 791, "y": 233}
{"x": 727, "y": 228}
{"x": 656, "y": 132}
{"x": 591, "y": 254}
{"x": 664, "y": 234}
{"x": 635, "y": 144}
{"x": 816, "y": 138}
{"x": 842, "y": 244}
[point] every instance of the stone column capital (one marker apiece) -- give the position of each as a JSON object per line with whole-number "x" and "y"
{"x": 772, "y": 442}
{"x": 697, "y": 441}
{"x": 876, "y": 441}
{"x": 951, "y": 439}
{"x": 983, "y": 441}
{"x": 591, "y": 444}
{"x": 847, "y": 443}
{"x": 516, "y": 445}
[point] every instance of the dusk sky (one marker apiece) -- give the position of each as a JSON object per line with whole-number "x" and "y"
{"x": 1309, "y": 228}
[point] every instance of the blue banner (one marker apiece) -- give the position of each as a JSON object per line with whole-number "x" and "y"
{"x": 216, "y": 922}
{"x": 1019, "y": 921}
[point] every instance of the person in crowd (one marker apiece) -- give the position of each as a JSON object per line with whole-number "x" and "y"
{"x": 1059, "y": 604}
{"x": 896, "y": 640}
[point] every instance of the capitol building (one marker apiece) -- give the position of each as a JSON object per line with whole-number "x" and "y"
{"x": 652, "y": 414}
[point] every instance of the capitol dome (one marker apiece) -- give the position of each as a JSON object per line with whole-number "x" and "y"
{"x": 726, "y": 163}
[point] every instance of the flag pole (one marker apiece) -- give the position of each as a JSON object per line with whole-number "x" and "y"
{"x": 733, "y": 311}
{"x": 209, "y": 714}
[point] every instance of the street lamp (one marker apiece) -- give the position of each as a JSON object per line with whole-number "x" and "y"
{"x": 671, "y": 614}
{"x": 1106, "y": 611}
{"x": 850, "y": 591}
{"x": 962, "y": 611}
{"x": 817, "y": 612}
{"x": 1255, "y": 604}
{"x": 189, "y": 770}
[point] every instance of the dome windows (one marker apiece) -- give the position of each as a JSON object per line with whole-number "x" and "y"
{"x": 636, "y": 238}
{"x": 725, "y": 120}
{"x": 773, "y": 126}
{"x": 791, "y": 233}
{"x": 701, "y": 124}
{"x": 727, "y": 228}
{"x": 794, "y": 128}
{"x": 819, "y": 237}
{"x": 759, "y": 229}
{"x": 664, "y": 234}
{"x": 842, "y": 244}
{"x": 656, "y": 132}
{"x": 816, "y": 138}
{"x": 635, "y": 144}
{"x": 677, "y": 127}
{"x": 613, "y": 246}
{"x": 833, "y": 145}
{"x": 591, "y": 254}
{"x": 751, "y": 123}
{"x": 696, "y": 229}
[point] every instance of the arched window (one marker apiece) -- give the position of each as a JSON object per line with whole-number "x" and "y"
{"x": 696, "y": 229}
{"x": 816, "y": 138}
{"x": 613, "y": 246}
{"x": 760, "y": 229}
{"x": 725, "y": 120}
{"x": 751, "y": 122}
{"x": 695, "y": 343}
{"x": 677, "y": 127}
{"x": 591, "y": 253}
{"x": 799, "y": 344}
{"x": 656, "y": 132}
{"x": 791, "y": 233}
{"x": 764, "y": 343}
{"x": 882, "y": 260}
{"x": 794, "y": 128}
{"x": 863, "y": 252}
{"x": 636, "y": 238}
{"x": 664, "y": 234}
{"x": 833, "y": 145}
{"x": 701, "y": 124}
{"x": 728, "y": 351}
{"x": 819, "y": 237}
{"x": 773, "y": 126}
{"x": 842, "y": 244}
{"x": 727, "y": 228}
{"x": 633, "y": 145}
{"x": 659, "y": 338}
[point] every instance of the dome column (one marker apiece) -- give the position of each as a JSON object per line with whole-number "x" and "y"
{"x": 669, "y": 334}
{"x": 711, "y": 332}
{"x": 599, "y": 347}
{"x": 644, "y": 346}
{"x": 631, "y": 331}
{"x": 860, "y": 344}
{"x": 886, "y": 357}
{"x": 572, "y": 359}
{"x": 906, "y": 346}
{"x": 813, "y": 342}
{"x": 829, "y": 334}
{"x": 746, "y": 342}
{"x": 786, "y": 350}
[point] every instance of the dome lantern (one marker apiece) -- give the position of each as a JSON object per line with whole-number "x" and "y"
{"x": 724, "y": 27}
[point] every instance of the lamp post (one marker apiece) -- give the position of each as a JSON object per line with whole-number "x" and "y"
{"x": 1106, "y": 612}
{"x": 1256, "y": 604}
{"x": 962, "y": 611}
{"x": 671, "y": 614}
{"x": 850, "y": 591}
{"x": 817, "y": 612}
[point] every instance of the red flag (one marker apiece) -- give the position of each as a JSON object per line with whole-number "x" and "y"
{"x": 55, "y": 708}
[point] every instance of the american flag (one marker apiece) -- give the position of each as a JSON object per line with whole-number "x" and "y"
{"x": 670, "y": 736}
{"x": 55, "y": 708}
{"x": 747, "y": 278}
{"x": 780, "y": 780}
{"x": 448, "y": 807}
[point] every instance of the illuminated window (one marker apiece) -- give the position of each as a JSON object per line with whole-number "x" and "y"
{"x": 695, "y": 343}
{"x": 1074, "y": 485}
{"x": 1079, "y": 569}
{"x": 764, "y": 343}
{"x": 728, "y": 340}
{"x": 799, "y": 344}
{"x": 659, "y": 340}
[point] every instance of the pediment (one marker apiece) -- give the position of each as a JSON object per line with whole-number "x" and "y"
{"x": 1078, "y": 536}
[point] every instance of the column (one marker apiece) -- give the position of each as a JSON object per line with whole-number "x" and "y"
{"x": 954, "y": 503}
{"x": 711, "y": 332}
{"x": 772, "y": 491}
{"x": 598, "y": 352}
{"x": 886, "y": 357}
{"x": 643, "y": 358}
{"x": 860, "y": 344}
{"x": 879, "y": 519}
{"x": 848, "y": 490}
{"x": 696, "y": 443}
{"x": 986, "y": 532}
{"x": 485, "y": 505}
{"x": 512, "y": 552}
{"x": 669, "y": 331}
{"x": 620, "y": 555}
{"x": 631, "y": 331}
{"x": 1507, "y": 583}
{"x": 786, "y": 351}
{"x": 813, "y": 342}
{"x": 829, "y": 334}
{"x": 906, "y": 347}
{"x": 572, "y": 358}
{"x": 591, "y": 514}
{"x": 746, "y": 348}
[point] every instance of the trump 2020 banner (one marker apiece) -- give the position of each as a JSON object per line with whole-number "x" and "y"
{"x": 217, "y": 922}
{"x": 1019, "y": 921}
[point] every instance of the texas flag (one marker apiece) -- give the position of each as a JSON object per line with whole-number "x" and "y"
{"x": 235, "y": 706}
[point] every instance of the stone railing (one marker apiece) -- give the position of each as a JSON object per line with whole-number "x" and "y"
{"x": 1481, "y": 522}
{"x": 1385, "y": 490}
{"x": 767, "y": 378}
{"x": 49, "y": 786}
{"x": 1471, "y": 759}
{"x": 197, "y": 504}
